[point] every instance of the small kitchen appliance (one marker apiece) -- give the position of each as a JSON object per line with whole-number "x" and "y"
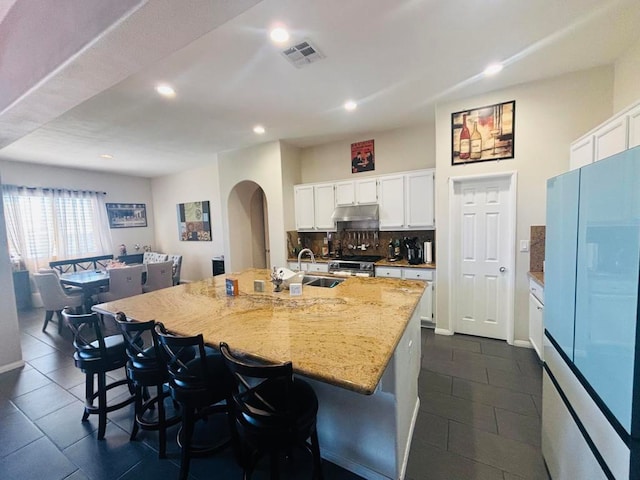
{"x": 414, "y": 250}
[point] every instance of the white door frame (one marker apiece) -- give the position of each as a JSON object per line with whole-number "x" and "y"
{"x": 454, "y": 229}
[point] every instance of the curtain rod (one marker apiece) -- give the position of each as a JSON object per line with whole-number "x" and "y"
{"x": 47, "y": 189}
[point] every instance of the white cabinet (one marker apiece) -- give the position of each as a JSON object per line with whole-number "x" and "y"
{"x": 419, "y": 209}
{"x": 318, "y": 267}
{"x": 305, "y": 213}
{"x": 634, "y": 126}
{"x": 352, "y": 192}
{"x": 426, "y": 307}
{"x": 391, "y": 190}
{"x": 314, "y": 205}
{"x": 324, "y": 204}
{"x": 536, "y": 317}
{"x": 611, "y": 138}
{"x": 581, "y": 152}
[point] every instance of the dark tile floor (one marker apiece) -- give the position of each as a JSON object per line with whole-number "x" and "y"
{"x": 479, "y": 419}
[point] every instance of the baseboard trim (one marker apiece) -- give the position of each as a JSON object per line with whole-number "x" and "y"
{"x": 443, "y": 331}
{"x": 352, "y": 466}
{"x": 11, "y": 366}
{"x": 522, "y": 343}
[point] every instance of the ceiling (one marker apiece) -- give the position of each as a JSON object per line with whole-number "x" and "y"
{"x": 397, "y": 59}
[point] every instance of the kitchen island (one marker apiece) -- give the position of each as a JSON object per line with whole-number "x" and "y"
{"x": 358, "y": 344}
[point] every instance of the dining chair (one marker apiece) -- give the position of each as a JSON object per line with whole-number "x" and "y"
{"x": 201, "y": 384}
{"x": 159, "y": 275}
{"x": 274, "y": 411}
{"x": 147, "y": 368}
{"x": 54, "y": 298}
{"x": 123, "y": 282}
{"x": 68, "y": 289}
{"x": 96, "y": 354}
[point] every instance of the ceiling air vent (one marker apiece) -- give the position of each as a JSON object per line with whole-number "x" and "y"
{"x": 302, "y": 54}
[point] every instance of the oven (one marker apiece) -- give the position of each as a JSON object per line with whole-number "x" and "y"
{"x": 356, "y": 265}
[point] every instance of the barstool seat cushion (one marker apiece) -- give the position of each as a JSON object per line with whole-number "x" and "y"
{"x": 114, "y": 344}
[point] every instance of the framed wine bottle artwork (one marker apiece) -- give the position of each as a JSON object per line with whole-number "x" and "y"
{"x": 483, "y": 134}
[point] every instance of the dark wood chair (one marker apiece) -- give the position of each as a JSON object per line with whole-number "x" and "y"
{"x": 274, "y": 412}
{"x": 201, "y": 384}
{"x": 96, "y": 355}
{"x": 147, "y": 368}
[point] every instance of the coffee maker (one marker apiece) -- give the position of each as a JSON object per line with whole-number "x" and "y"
{"x": 414, "y": 250}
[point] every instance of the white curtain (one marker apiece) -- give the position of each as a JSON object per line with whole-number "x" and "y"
{"x": 45, "y": 224}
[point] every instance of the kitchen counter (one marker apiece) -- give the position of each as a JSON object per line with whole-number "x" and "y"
{"x": 380, "y": 263}
{"x": 403, "y": 263}
{"x": 344, "y": 335}
{"x": 538, "y": 277}
{"x": 358, "y": 344}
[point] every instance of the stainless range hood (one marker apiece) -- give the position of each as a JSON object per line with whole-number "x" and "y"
{"x": 357, "y": 217}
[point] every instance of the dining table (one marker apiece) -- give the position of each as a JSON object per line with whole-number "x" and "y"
{"x": 90, "y": 281}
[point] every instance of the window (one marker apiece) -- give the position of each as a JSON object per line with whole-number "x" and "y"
{"x": 49, "y": 224}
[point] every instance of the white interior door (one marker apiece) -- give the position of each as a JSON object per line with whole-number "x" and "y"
{"x": 483, "y": 232}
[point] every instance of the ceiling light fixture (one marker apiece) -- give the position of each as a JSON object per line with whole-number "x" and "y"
{"x": 350, "y": 105}
{"x": 259, "y": 129}
{"x": 166, "y": 90}
{"x": 106, "y": 155}
{"x": 279, "y": 35}
{"x": 493, "y": 69}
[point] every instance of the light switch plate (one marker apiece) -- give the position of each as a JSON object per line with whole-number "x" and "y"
{"x": 524, "y": 245}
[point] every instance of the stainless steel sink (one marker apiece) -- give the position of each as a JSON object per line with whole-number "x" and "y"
{"x": 317, "y": 281}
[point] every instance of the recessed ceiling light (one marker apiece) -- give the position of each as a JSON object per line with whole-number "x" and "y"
{"x": 279, "y": 35}
{"x": 493, "y": 69}
{"x": 350, "y": 105}
{"x": 106, "y": 155}
{"x": 166, "y": 90}
{"x": 259, "y": 129}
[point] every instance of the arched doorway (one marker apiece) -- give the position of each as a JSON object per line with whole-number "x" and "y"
{"x": 248, "y": 226}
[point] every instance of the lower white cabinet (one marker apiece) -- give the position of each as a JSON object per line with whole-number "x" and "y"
{"x": 536, "y": 317}
{"x": 426, "y": 309}
{"x": 318, "y": 267}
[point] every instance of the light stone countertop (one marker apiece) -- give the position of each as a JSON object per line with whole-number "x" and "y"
{"x": 538, "y": 277}
{"x": 344, "y": 336}
{"x": 380, "y": 263}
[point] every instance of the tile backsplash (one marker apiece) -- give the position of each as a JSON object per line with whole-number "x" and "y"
{"x": 315, "y": 241}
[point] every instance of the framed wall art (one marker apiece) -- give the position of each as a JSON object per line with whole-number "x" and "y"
{"x": 483, "y": 134}
{"x": 127, "y": 215}
{"x": 194, "y": 221}
{"x": 362, "y": 156}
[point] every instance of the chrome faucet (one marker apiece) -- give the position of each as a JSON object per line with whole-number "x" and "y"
{"x": 305, "y": 250}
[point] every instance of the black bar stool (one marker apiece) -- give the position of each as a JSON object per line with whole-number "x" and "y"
{"x": 200, "y": 383}
{"x": 274, "y": 411}
{"x": 146, "y": 368}
{"x": 96, "y": 355}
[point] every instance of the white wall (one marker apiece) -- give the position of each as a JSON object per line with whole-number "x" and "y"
{"x": 189, "y": 186}
{"x": 119, "y": 189}
{"x": 10, "y": 351}
{"x": 260, "y": 164}
{"x": 402, "y": 149}
{"x": 627, "y": 78}
{"x": 549, "y": 115}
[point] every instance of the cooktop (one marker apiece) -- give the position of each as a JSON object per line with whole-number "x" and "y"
{"x": 359, "y": 258}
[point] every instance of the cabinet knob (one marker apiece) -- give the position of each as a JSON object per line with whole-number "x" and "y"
{"x": 502, "y": 269}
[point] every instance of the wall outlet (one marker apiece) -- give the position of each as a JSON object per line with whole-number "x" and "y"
{"x": 524, "y": 245}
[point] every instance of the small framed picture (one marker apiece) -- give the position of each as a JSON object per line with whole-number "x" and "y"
{"x": 295, "y": 289}
{"x": 362, "y": 157}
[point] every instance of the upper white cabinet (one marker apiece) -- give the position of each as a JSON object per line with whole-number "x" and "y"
{"x": 314, "y": 205}
{"x": 620, "y": 132}
{"x": 305, "y": 214}
{"x": 392, "y": 201}
{"x": 352, "y": 192}
{"x": 419, "y": 210}
{"x": 634, "y": 126}
{"x": 405, "y": 201}
{"x": 611, "y": 138}
{"x": 581, "y": 152}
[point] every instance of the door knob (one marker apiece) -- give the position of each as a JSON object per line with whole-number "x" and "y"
{"x": 502, "y": 269}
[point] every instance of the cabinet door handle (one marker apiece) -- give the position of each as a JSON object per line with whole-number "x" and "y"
{"x": 539, "y": 308}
